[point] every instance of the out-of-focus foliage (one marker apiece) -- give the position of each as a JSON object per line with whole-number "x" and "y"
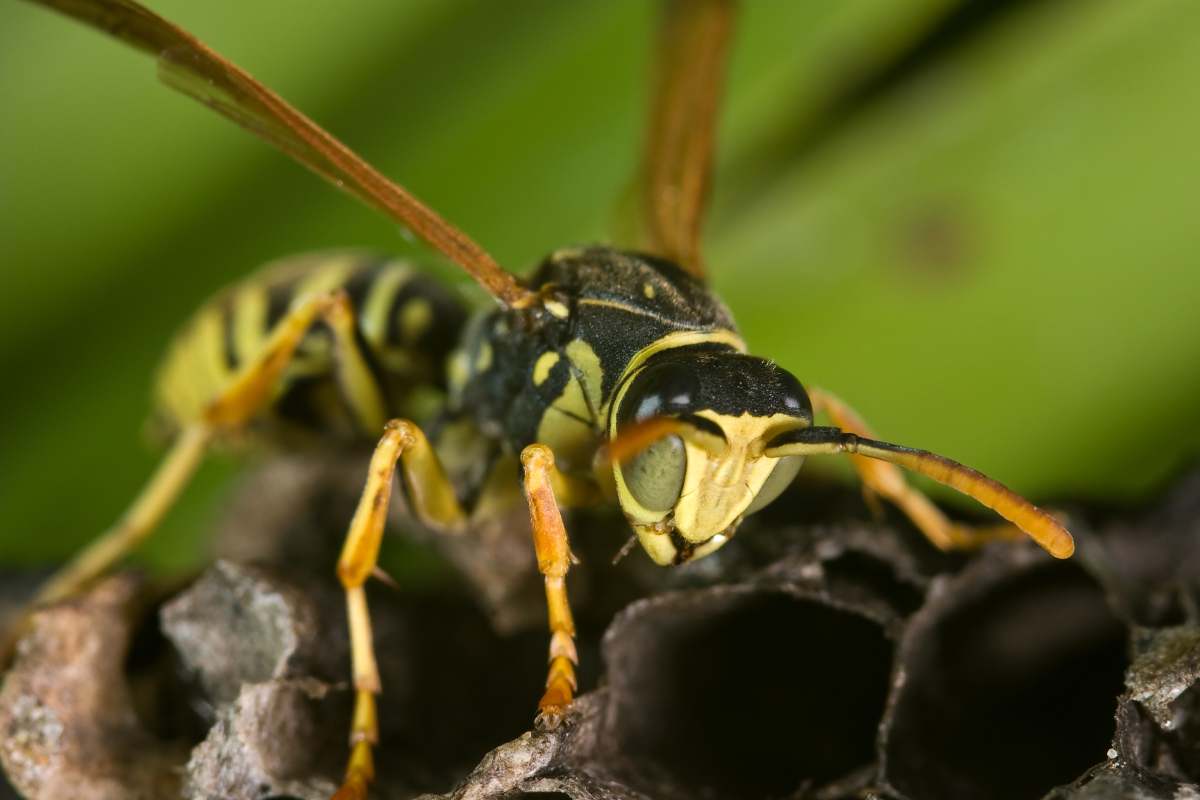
{"x": 982, "y": 232}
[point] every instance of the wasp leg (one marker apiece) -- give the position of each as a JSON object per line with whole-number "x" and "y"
{"x": 887, "y": 481}
{"x": 135, "y": 524}
{"x": 435, "y": 504}
{"x": 357, "y": 383}
{"x": 542, "y": 480}
{"x": 246, "y": 394}
{"x": 253, "y": 388}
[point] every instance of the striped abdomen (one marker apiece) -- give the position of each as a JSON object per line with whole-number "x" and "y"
{"x": 407, "y": 324}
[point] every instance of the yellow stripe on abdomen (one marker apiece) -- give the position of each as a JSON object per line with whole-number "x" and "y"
{"x": 373, "y": 315}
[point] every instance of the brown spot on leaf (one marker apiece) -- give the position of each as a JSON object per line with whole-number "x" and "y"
{"x": 935, "y": 243}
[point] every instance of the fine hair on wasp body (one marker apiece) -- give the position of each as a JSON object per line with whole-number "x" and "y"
{"x": 611, "y": 376}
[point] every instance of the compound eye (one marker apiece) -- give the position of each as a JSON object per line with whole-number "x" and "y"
{"x": 655, "y": 476}
{"x": 669, "y": 388}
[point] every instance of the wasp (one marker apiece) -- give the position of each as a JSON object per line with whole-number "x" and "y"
{"x": 608, "y": 376}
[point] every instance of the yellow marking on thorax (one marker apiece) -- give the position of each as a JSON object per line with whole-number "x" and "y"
{"x": 483, "y": 358}
{"x": 648, "y": 290}
{"x": 572, "y": 401}
{"x": 565, "y": 253}
{"x": 587, "y": 365}
{"x": 458, "y": 371}
{"x": 542, "y": 367}
{"x": 557, "y": 309}
{"x": 569, "y": 435}
{"x": 639, "y": 311}
{"x": 568, "y": 426}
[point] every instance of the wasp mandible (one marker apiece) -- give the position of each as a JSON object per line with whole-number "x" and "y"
{"x": 609, "y": 376}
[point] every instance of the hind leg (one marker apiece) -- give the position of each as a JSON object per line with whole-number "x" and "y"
{"x": 247, "y": 393}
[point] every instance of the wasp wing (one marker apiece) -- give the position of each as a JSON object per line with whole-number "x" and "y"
{"x": 691, "y": 48}
{"x": 189, "y": 65}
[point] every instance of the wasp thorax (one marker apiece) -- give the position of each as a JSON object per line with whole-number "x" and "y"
{"x": 698, "y": 418}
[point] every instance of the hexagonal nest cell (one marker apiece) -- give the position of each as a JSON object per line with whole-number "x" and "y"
{"x": 829, "y": 658}
{"x": 701, "y": 684}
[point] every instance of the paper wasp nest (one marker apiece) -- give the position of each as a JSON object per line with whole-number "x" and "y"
{"x": 818, "y": 656}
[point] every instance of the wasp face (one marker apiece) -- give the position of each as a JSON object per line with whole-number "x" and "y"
{"x": 686, "y": 492}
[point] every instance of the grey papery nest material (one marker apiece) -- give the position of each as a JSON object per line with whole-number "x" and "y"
{"x": 821, "y": 658}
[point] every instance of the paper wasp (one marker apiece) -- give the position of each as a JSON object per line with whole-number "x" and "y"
{"x": 609, "y": 376}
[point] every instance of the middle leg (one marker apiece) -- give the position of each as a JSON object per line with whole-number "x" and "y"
{"x": 436, "y": 505}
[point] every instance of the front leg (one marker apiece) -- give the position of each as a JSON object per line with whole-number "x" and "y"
{"x": 554, "y": 559}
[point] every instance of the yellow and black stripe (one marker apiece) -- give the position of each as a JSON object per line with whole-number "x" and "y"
{"x": 406, "y": 324}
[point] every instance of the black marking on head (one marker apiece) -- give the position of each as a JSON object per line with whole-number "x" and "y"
{"x": 683, "y": 548}
{"x": 704, "y": 424}
{"x": 687, "y": 380}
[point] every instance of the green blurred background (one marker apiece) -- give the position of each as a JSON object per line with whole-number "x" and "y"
{"x": 976, "y": 222}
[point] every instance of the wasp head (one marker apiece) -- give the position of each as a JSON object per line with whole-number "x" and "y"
{"x": 687, "y": 434}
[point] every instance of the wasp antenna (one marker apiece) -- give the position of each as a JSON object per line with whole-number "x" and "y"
{"x": 1036, "y": 523}
{"x": 192, "y": 67}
